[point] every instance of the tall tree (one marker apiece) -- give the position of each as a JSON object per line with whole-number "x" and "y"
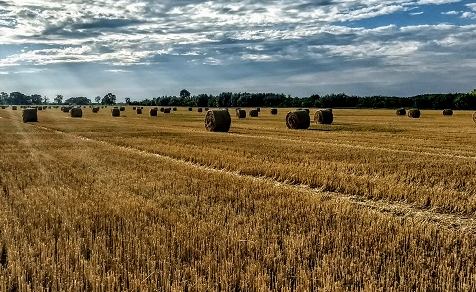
{"x": 97, "y": 99}
{"x": 58, "y": 99}
{"x": 128, "y": 100}
{"x": 109, "y": 99}
{"x": 184, "y": 93}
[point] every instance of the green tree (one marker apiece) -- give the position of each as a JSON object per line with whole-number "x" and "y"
{"x": 97, "y": 99}
{"x": 184, "y": 93}
{"x": 58, "y": 99}
{"x": 36, "y": 99}
{"x": 128, "y": 100}
{"x": 109, "y": 99}
{"x": 4, "y": 98}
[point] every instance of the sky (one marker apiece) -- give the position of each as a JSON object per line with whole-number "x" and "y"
{"x": 144, "y": 49}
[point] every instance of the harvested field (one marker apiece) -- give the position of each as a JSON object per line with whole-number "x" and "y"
{"x": 82, "y": 208}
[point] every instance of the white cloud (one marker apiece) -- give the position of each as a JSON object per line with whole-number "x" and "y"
{"x": 450, "y": 13}
{"x": 301, "y": 33}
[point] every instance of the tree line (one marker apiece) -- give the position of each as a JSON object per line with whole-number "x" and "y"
{"x": 461, "y": 101}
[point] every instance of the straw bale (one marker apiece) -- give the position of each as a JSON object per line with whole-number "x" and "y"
{"x": 323, "y": 117}
{"x": 115, "y": 112}
{"x": 240, "y": 113}
{"x": 29, "y": 115}
{"x": 447, "y": 112}
{"x": 153, "y": 112}
{"x": 217, "y": 121}
{"x": 298, "y": 120}
{"x": 76, "y": 112}
{"x": 414, "y": 113}
{"x": 401, "y": 112}
{"x": 253, "y": 113}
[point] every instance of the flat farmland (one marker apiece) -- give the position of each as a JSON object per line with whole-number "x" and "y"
{"x": 373, "y": 202}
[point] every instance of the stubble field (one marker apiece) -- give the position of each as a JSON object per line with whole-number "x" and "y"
{"x": 373, "y": 202}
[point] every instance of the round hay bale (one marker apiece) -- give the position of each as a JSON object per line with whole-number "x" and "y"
{"x": 66, "y": 109}
{"x": 4, "y": 107}
{"x": 115, "y": 112}
{"x": 258, "y": 109}
{"x": 273, "y": 111}
{"x": 240, "y": 113}
{"x": 206, "y": 109}
{"x": 217, "y": 121}
{"x": 95, "y": 109}
{"x": 133, "y": 108}
{"x": 174, "y": 109}
{"x": 14, "y": 107}
{"x": 474, "y": 117}
{"x": 40, "y": 108}
{"x": 190, "y": 109}
{"x": 414, "y": 113}
{"x": 139, "y": 111}
{"x": 253, "y": 113}
{"x": 29, "y": 115}
{"x": 153, "y": 112}
{"x": 167, "y": 110}
{"x": 298, "y": 120}
{"x": 162, "y": 109}
{"x": 76, "y": 112}
{"x": 401, "y": 112}
{"x": 199, "y": 110}
{"x": 122, "y": 108}
{"x": 447, "y": 112}
{"x": 324, "y": 117}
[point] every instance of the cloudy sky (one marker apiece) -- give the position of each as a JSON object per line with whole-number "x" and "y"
{"x": 144, "y": 48}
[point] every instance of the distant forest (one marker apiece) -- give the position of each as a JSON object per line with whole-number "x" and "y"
{"x": 458, "y": 101}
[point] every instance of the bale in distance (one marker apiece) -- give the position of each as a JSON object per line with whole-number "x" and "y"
{"x": 298, "y": 120}
{"x": 162, "y": 109}
{"x": 273, "y": 111}
{"x": 76, "y": 112}
{"x": 167, "y": 110}
{"x": 447, "y": 112}
{"x": 206, "y": 109}
{"x": 401, "y": 112}
{"x": 139, "y": 111}
{"x": 122, "y": 108}
{"x": 4, "y": 107}
{"x": 153, "y": 112}
{"x": 40, "y": 108}
{"x": 324, "y": 117}
{"x": 190, "y": 109}
{"x": 14, "y": 108}
{"x": 95, "y": 109}
{"x": 240, "y": 113}
{"x": 414, "y": 113}
{"x": 199, "y": 110}
{"x": 115, "y": 112}
{"x": 174, "y": 109}
{"x": 66, "y": 109}
{"x": 29, "y": 115}
{"x": 217, "y": 121}
{"x": 258, "y": 109}
{"x": 253, "y": 113}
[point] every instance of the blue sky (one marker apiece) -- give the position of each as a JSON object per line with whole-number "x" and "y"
{"x": 144, "y": 49}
